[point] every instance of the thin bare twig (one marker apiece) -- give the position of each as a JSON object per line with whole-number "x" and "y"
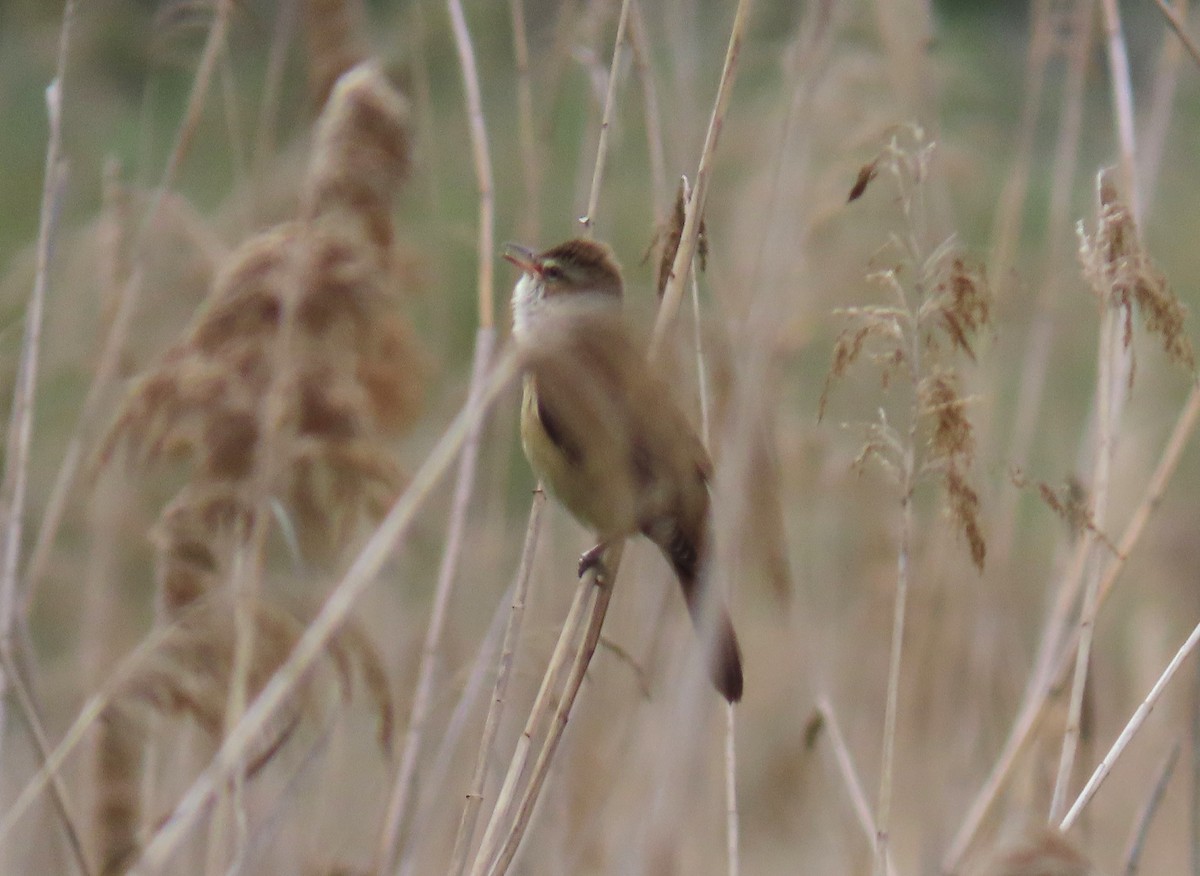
{"x": 1131, "y": 728}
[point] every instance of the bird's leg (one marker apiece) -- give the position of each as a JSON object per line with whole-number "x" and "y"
{"x": 592, "y": 558}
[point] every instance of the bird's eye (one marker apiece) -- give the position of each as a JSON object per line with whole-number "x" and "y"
{"x": 553, "y": 273}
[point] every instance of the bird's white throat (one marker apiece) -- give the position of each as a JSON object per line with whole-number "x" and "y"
{"x": 527, "y": 299}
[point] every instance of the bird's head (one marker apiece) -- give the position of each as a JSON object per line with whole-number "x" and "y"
{"x": 578, "y": 271}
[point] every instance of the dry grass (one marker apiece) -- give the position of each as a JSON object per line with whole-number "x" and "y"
{"x": 247, "y": 625}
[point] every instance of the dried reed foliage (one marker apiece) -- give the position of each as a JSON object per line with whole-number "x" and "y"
{"x": 1120, "y": 271}
{"x": 284, "y": 390}
{"x": 940, "y": 303}
{"x": 1045, "y": 852}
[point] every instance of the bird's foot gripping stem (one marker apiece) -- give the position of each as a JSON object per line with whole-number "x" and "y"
{"x": 593, "y": 558}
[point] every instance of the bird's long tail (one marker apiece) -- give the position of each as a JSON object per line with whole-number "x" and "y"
{"x": 712, "y": 622}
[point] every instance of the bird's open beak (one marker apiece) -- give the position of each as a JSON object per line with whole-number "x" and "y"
{"x": 521, "y": 256}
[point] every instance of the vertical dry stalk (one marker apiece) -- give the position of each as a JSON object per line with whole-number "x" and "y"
{"x": 1122, "y": 97}
{"x": 639, "y": 40}
{"x": 845, "y": 764}
{"x": 610, "y": 97}
{"x": 492, "y": 659}
{"x": 732, "y": 821}
{"x": 485, "y": 339}
{"x": 214, "y": 45}
{"x": 603, "y": 587}
{"x": 1122, "y": 276}
{"x": 14, "y": 489}
{"x": 883, "y": 812}
{"x": 491, "y": 724}
{"x": 483, "y": 163}
{"x": 527, "y": 137}
{"x": 538, "y": 712}
{"x": 20, "y": 428}
{"x": 1114, "y": 366}
{"x": 694, "y": 212}
{"x": 936, "y": 311}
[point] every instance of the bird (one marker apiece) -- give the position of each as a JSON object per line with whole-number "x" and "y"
{"x": 606, "y": 434}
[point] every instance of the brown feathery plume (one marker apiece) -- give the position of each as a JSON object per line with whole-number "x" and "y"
{"x": 357, "y": 376}
{"x": 1043, "y": 853}
{"x": 1120, "y": 270}
{"x": 282, "y": 391}
{"x": 939, "y": 312}
{"x": 335, "y": 33}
